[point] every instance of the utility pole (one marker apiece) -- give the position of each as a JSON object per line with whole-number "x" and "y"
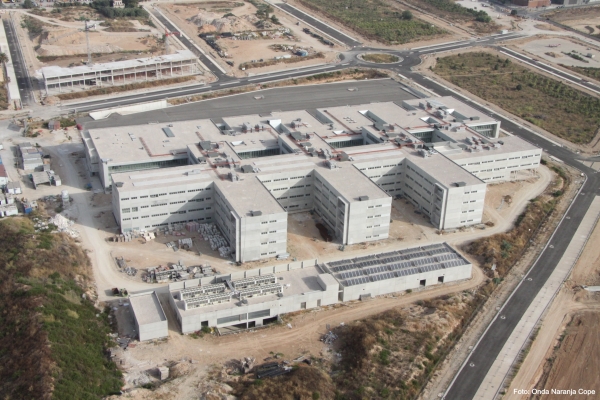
{"x": 87, "y": 40}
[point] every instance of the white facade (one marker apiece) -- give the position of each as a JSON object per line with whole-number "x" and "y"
{"x": 214, "y": 301}
{"x": 150, "y": 320}
{"x": 346, "y": 164}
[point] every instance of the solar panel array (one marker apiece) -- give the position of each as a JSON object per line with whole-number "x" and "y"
{"x": 395, "y": 264}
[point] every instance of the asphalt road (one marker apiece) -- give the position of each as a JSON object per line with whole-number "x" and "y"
{"x": 187, "y": 43}
{"x": 279, "y": 99}
{"x": 482, "y": 357}
{"x": 409, "y": 59}
{"x": 25, "y": 89}
{"x": 545, "y": 67}
{"x": 348, "y": 41}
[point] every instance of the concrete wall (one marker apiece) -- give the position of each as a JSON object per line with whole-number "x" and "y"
{"x": 154, "y": 330}
{"x": 495, "y": 167}
{"x": 387, "y": 286}
{"x": 155, "y": 207}
{"x": 150, "y": 106}
{"x": 282, "y": 305}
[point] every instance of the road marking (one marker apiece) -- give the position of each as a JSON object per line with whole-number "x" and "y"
{"x": 440, "y": 44}
{"x": 550, "y": 72}
{"x": 229, "y": 83}
{"x": 291, "y": 72}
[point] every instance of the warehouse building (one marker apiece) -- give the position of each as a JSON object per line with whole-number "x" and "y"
{"x": 150, "y": 320}
{"x": 253, "y": 298}
{"x": 346, "y": 164}
{"x": 62, "y": 79}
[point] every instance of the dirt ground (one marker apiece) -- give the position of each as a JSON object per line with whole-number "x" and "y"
{"x": 575, "y": 313}
{"x": 553, "y": 50}
{"x": 584, "y": 19}
{"x": 63, "y": 39}
{"x": 302, "y": 338}
{"x": 189, "y": 16}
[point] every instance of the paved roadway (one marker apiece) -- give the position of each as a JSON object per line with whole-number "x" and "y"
{"x": 19, "y": 64}
{"x": 469, "y": 379}
{"x": 315, "y": 23}
{"x": 187, "y": 43}
{"x": 482, "y": 357}
{"x": 349, "y": 59}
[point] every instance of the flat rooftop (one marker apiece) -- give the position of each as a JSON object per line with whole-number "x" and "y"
{"x": 394, "y": 264}
{"x": 147, "y": 308}
{"x": 456, "y": 108}
{"x": 249, "y": 194}
{"x": 56, "y": 71}
{"x": 159, "y": 178}
{"x": 351, "y": 183}
{"x": 301, "y": 280}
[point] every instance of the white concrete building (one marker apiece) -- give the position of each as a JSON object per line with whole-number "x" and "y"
{"x": 345, "y": 163}
{"x": 150, "y": 320}
{"x": 254, "y": 298}
{"x": 61, "y": 79}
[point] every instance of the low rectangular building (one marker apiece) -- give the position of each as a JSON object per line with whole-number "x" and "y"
{"x": 150, "y": 320}
{"x": 256, "y": 297}
{"x": 61, "y": 79}
{"x": 265, "y": 294}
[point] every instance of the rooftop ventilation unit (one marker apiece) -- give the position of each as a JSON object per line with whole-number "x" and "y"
{"x": 363, "y": 198}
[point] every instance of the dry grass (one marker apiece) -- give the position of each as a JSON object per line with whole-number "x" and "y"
{"x": 591, "y": 72}
{"x": 380, "y": 58}
{"x": 124, "y": 88}
{"x": 291, "y": 60}
{"x": 504, "y": 249}
{"x": 303, "y": 383}
{"x": 325, "y": 77}
{"x": 545, "y": 102}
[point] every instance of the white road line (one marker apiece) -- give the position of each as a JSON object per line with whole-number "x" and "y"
{"x": 545, "y": 65}
{"x": 290, "y": 72}
{"x": 435, "y": 45}
{"x": 550, "y": 72}
{"x": 444, "y": 47}
{"x": 229, "y": 83}
{"x": 141, "y": 96}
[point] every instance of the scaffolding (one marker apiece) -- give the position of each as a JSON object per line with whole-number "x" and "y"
{"x": 182, "y": 63}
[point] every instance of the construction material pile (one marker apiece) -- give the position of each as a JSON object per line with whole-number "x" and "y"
{"x": 329, "y": 338}
{"x": 270, "y": 370}
{"x": 64, "y": 225}
{"x": 211, "y": 234}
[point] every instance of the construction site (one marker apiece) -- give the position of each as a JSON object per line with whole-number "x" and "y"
{"x": 245, "y": 39}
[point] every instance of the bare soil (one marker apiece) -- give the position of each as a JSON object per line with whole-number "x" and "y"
{"x": 584, "y": 19}
{"x": 192, "y": 19}
{"x": 563, "y": 353}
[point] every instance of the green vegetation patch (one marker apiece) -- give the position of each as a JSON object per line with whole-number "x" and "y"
{"x": 380, "y": 58}
{"x": 547, "y": 103}
{"x": 591, "y": 72}
{"x": 52, "y": 339}
{"x": 375, "y": 20}
{"x": 451, "y": 10}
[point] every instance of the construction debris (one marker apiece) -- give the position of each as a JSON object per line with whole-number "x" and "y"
{"x": 270, "y": 370}
{"x": 329, "y": 338}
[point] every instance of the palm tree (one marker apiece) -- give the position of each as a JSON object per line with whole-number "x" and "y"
{"x": 3, "y": 58}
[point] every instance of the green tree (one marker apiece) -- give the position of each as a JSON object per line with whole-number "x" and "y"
{"x": 274, "y": 19}
{"x": 28, "y": 4}
{"x": 407, "y": 15}
{"x": 3, "y": 58}
{"x": 513, "y": 12}
{"x": 130, "y": 3}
